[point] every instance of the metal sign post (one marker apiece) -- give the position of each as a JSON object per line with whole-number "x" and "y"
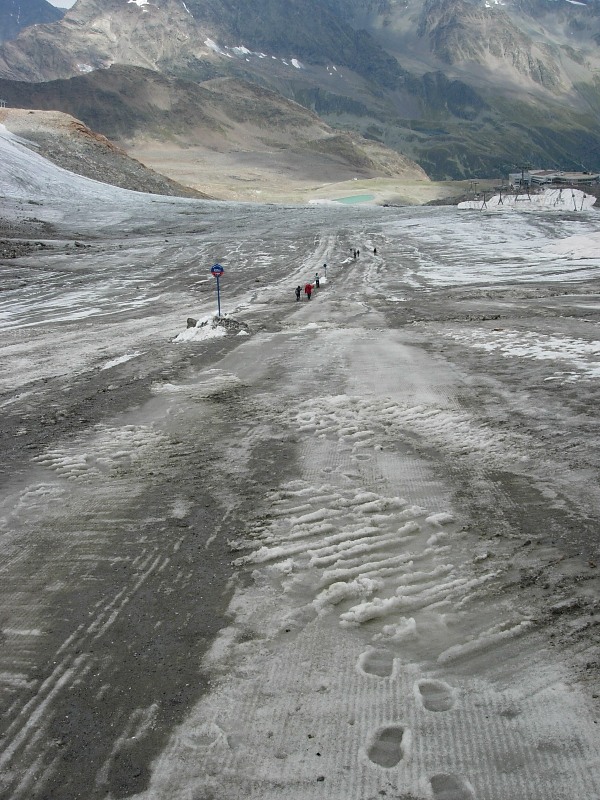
{"x": 217, "y": 270}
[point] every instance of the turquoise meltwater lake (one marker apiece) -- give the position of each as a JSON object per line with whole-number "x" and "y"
{"x": 355, "y": 198}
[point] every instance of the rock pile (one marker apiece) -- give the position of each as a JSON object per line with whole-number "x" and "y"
{"x": 231, "y": 325}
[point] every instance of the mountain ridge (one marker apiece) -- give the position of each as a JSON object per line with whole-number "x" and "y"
{"x": 459, "y": 86}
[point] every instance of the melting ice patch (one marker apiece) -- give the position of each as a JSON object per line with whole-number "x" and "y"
{"x": 582, "y": 355}
{"x": 458, "y": 253}
{"x": 211, "y": 382}
{"x": 205, "y": 328}
{"x": 120, "y": 360}
{"x": 580, "y": 246}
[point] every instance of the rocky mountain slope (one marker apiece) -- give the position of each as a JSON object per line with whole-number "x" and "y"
{"x": 193, "y": 131}
{"x": 464, "y": 87}
{"x": 16, "y": 15}
{"x": 71, "y": 145}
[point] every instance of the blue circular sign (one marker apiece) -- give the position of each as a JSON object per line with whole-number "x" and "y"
{"x": 217, "y": 270}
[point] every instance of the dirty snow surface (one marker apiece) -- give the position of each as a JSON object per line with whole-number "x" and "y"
{"x": 344, "y": 548}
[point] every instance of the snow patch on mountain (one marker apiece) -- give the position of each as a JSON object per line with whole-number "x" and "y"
{"x": 241, "y": 51}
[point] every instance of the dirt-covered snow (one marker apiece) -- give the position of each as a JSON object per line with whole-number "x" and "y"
{"x": 345, "y": 547}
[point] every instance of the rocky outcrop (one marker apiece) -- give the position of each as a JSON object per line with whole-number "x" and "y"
{"x": 71, "y": 145}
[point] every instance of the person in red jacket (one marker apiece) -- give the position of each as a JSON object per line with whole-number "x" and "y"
{"x": 308, "y": 290}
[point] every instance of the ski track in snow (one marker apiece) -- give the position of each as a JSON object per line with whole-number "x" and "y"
{"x": 348, "y": 661}
{"x": 370, "y": 650}
{"x": 296, "y": 703}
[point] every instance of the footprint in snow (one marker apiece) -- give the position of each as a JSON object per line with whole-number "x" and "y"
{"x": 451, "y": 787}
{"x": 376, "y": 662}
{"x": 389, "y": 746}
{"x": 435, "y": 695}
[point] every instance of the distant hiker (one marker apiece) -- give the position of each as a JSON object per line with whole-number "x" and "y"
{"x": 357, "y": 253}
{"x": 308, "y": 290}
{"x": 298, "y": 290}
{"x": 354, "y": 254}
{"x": 317, "y": 284}
{"x": 374, "y": 251}
{"x": 325, "y": 268}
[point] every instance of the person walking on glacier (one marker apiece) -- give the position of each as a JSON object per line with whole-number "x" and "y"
{"x": 308, "y": 290}
{"x": 298, "y": 290}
